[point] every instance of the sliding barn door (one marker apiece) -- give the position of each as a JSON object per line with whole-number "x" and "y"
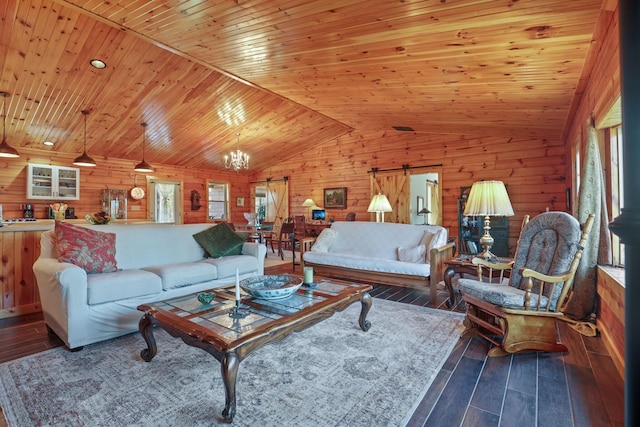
{"x": 277, "y": 201}
{"x": 396, "y": 186}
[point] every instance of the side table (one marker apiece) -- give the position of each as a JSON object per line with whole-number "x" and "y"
{"x": 305, "y": 245}
{"x": 462, "y": 265}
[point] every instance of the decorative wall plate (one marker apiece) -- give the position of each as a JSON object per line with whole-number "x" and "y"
{"x": 137, "y": 193}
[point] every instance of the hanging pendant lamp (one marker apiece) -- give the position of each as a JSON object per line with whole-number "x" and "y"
{"x": 5, "y": 149}
{"x": 84, "y": 159}
{"x": 143, "y": 166}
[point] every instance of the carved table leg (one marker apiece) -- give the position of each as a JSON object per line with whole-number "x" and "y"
{"x": 146, "y": 330}
{"x": 448, "y": 276}
{"x": 229, "y": 367}
{"x": 366, "y": 306}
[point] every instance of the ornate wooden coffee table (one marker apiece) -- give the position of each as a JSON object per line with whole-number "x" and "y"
{"x": 230, "y": 341}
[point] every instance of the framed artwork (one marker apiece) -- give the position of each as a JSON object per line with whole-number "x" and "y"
{"x": 240, "y": 201}
{"x": 335, "y": 198}
{"x": 420, "y": 205}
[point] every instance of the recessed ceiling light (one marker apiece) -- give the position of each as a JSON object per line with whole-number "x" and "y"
{"x": 96, "y": 63}
{"x": 48, "y": 143}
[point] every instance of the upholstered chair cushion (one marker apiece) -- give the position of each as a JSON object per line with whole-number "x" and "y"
{"x": 547, "y": 245}
{"x": 500, "y": 294}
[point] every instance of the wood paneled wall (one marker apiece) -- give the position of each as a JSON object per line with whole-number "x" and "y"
{"x": 114, "y": 174}
{"x": 600, "y": 89}
{"x": 534, "y": 171}
{"x": 611, "y": 314}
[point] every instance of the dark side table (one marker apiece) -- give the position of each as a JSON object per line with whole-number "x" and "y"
{"x": 462, "y": 265}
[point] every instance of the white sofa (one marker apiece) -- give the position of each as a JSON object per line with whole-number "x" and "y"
{"x": 155, "y": 262}
{"x": 369, "y": 251}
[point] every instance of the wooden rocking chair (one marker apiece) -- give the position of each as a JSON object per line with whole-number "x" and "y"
{"x": 519, "y": 314}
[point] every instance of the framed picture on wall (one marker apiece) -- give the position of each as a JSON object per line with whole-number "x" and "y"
{"x": 335, "y": 198}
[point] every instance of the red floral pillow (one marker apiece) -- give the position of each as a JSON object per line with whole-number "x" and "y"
{"x": 93, "y": 251}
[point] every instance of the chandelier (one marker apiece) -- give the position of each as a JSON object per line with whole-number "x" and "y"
{"x": 236, "y": 160}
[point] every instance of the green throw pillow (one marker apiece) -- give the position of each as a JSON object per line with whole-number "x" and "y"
{"x": 220, "y": 240}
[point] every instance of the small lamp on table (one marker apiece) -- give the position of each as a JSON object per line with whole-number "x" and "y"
{"x": 425, "y": 212}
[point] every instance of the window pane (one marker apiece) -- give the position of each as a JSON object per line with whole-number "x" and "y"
{"x": 617, "y": 190}
{"x": 217, "y": 200}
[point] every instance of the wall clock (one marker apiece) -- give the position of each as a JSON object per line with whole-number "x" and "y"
{"x": 137, "y": 193}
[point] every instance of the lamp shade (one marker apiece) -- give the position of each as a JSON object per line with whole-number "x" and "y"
{"x": 424, "y": 211}
{"x": 143, "y": 166}
{"x": 309, "y": 203}
{"x": 488, "y": 198}
{"x": 379, "y": 203}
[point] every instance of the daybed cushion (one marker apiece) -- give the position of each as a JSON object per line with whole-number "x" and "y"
{"x": 220, "y": 240}
{"x": 412, "y": 254}
{"x": 359, "y": 262}
{"x": 184, "y": 274}
{"x": 325, "y": 240}
{"x": 91, "y": 250}
{"x": 431, "y": 238}
{"x": 121, "y": 285}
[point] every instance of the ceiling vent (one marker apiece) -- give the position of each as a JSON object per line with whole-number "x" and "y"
{"x": 403, "y": 128}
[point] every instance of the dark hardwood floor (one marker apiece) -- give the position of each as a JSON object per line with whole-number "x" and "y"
{"x": 578, "y": 388}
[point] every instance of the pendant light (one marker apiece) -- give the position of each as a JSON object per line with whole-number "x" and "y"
{"x": 84, "y": 159}
{"x": 143, "y": 166}
{"x": 5, "y": 149}
{"x": 237, "y": 160}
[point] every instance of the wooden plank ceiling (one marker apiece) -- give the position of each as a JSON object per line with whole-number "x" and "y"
{"x": 285, "y": 74}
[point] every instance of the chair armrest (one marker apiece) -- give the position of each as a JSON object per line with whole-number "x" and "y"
{"x": 437, "y": 257}
{"x": 504, "y": 268}
{"x": 543, "y": 280}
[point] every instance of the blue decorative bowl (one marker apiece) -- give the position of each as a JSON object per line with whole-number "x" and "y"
{"x": 271, "y": 287}
{"x": 206, "y": 297}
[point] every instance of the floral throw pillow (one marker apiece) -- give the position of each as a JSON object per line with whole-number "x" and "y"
{"x": 93, "y": 251}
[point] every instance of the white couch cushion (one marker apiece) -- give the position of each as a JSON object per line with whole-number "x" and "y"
{"x": 179, "y": 275}
{"x": 227, "y": 265}
{"x": 359, "y": 262}
{"x": 412, "y": 254}
{"x": 107, "y": 287}
{"x": 147, "y": 245}
{"x": 380, "y": 239}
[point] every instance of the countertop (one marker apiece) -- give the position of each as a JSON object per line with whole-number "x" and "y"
{"x": 48, "y": 224}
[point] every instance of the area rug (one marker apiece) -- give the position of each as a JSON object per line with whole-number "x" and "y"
{"x": 274, "y": 259}
{"x": 332, "y": 374}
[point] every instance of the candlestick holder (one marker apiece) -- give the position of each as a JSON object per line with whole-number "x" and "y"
{"x": 237, "y": 312}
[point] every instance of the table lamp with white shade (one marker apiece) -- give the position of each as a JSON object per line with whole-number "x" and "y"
{"x": 309, "y": 203}
{"x": 488, "y": 198}
{"x": 379, "y": 204}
